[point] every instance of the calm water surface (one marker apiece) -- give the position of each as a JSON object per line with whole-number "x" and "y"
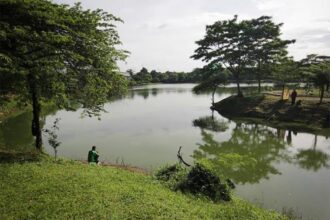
{"x": 277, "y": 169}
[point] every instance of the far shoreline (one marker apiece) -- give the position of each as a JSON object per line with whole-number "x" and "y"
{"x": 267, "y": 109}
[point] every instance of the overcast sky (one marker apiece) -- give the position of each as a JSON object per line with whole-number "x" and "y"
{"x": 161, "y": 34}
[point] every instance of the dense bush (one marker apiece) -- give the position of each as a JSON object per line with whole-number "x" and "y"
{"x": 197, "y": 180}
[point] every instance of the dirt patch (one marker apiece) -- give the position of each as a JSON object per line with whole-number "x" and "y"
{"x": 124, "y": 167}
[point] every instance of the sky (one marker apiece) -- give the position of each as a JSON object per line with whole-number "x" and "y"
{"x": 161, "y": 34}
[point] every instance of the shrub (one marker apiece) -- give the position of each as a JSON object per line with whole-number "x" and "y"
{"x": 197, "y": 180}
{"x": 172, "y": 175}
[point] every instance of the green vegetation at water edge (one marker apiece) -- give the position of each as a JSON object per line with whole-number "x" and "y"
{"x": 68, "y": 189}
{"x": 197, "y": 180}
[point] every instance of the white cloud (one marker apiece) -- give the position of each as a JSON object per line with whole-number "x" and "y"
{"x": 266, "y": 5}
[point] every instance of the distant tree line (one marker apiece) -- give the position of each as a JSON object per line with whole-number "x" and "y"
{"x": 144, "y": 76}
{"x": 197, "y": 75}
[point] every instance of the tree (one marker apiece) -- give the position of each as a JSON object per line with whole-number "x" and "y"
{"x": 267, "y": 46}
{"x": 317, "y": 69}
{"x": 240, "y": 46}
{"x": 226, "y": 43}
{"x": 284, "y": 71}
{"x": 53, "y": 137}
{"x": 213, "y": 76}
{"x": 59, "y": 53}
{"x": 143, "y": 76}
{"x": 155, "y": 76}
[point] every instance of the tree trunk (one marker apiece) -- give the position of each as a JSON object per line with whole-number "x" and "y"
{"x": 213, "y": 92}
{"x": 283, "y": 88}
{"x": 327, "y": 88}
{"x": 315, "y": 142}
{"x": 259, "y": 77}
{"x": 239, "y": 92}
{"x": 321, "y": 94}
{"x": 36, "y": 128}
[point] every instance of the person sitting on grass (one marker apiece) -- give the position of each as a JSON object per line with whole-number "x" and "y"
{"x": 93, "y": 156}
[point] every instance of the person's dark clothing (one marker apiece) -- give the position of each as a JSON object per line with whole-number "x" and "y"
{"x": 93, "y": 156}
{"x": 293, "y": 97}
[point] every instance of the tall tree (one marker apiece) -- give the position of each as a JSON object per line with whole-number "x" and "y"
{"x": 59, "y": 53}
{"x": 267, "y": 46}
{"x": 242, "y": 45}
{"x": 316, "y": 68}
{"x": 226, "y": 43}
{"x": 213, "y": 76}
{"x": 284, "y": 71}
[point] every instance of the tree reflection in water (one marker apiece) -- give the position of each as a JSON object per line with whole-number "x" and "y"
{"x": 252, "y": 151}
{"x": 15, "y": 133}
{"x": 247, "y": 157}
{"x": 313, "y": 159}
{"x": 210, "y": 123}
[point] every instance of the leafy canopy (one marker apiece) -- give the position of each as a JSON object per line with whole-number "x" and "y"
{"x": 240, "y": 46}
{"x": 67, "y": 53}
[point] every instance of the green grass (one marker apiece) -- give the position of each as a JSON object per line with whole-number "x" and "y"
{"x": 68, "y": 189}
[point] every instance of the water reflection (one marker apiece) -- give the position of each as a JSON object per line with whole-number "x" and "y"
{"x": 143, "y": 92}
{"x": 247, "y": 156}
{"x": 146, "y": 91}
{"x": 15, "y": 132}
{"x": 313, "y": 159}
{"x": 211, "y": 123}
{"x": 252, "y": 151}
{"x": 21, "y": 138}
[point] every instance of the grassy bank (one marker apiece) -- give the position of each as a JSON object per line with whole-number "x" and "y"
{"x": 68, "y": 189}
{"x": 309, "y": 115}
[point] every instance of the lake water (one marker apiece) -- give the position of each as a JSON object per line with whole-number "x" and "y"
{"x": 274, "y": 168}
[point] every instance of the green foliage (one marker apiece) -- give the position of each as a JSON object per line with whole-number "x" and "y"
{"x": 202, "y": 181}
{"x": 59, "y": 53}
{"x": 53, "y": 137}
{"x": 316, "y": 69}
{"x": 241, "y": 45}
{"x": 267, "y": 46}
{"x": 286, "y": 70}
{"x": 173, "y": 176}
{"x": 67, "y": 51}
{"x": 196, "y": 180}
{"x": 144, "y": 77}
{"x": 213, "y": 76}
